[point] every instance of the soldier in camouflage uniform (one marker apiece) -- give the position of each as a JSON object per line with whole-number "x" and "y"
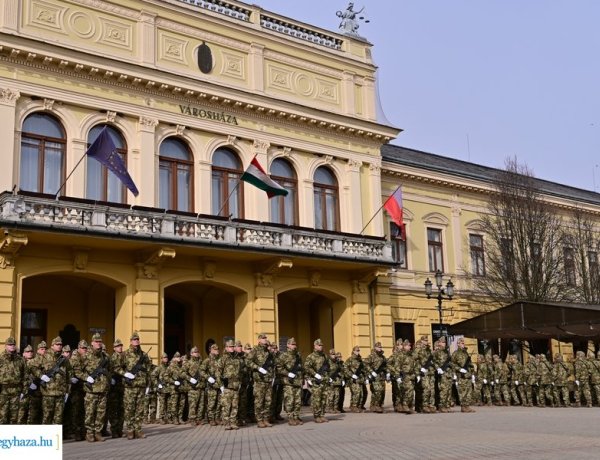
{"x": 12, "y": 378}
{"x": 243, "y": 402}
{"x": 97, "y": 370}
{"x": 394, "y": 371}
{"x": 354, "y": 371}
{"x": 545, "y": 382}
{"x": 291, "y": 374}
{"x": 463, "y": 370}
{"x": 25, "y": 398}
{"x": 478, "y": 384}
{"x": 277, "y": 394}
{"x": 485, "y": 375}
{"x": 377, "y": 369}
{"x": 35, "y": 392}
{"x": 162, "y": 390}
{"x": 263, "y": 368}
{"x": 77, "y": 394}
{"x": 173, "y": 377}
{"x": 594, "y": 365}
{"x": 229, "y": 376}
{"x": 55, "y": 375}
{"x": 250, "y": 416}
{"x": 197, "y": 381}
{"x": 501, "y": 396}
{"x": 335, "y": 384}
{"x": 134, "y": 370}
{"x": 582, "y": 380}
{"x": 560, "y": 377}
{"x": 114, "y": 404}
{"x": 407, "y": 368}
{"x": 444, "y": 375}
{"x": 427, "y": 387}
{"x": 210, "y": 368}
{"x": 317, "y": 368}
{"x": 516, "y": 377}
{"x": 151, "y": 395}
{"x": 340, "y": 405}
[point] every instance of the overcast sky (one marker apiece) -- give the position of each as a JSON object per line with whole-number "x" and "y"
{"x": 481, "y": 80}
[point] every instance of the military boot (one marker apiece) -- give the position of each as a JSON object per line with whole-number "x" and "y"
{"x": 139, "y": 435}
{"x": 299, "y": 422}
{"x": 90, "y": 437}
{"x": 261, "y": 424}
{"x": 98, "y": 437}
{"x": 130, "y": 435}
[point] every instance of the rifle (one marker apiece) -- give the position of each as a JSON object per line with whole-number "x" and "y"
{"x": 428, "y": 363}
{"x": 37, "y": 382}
{"x": 100, "y": 370}
{"x": 268, "y": 362}
{"x": 138, "y": 366}
{"x": 297, "y": 367}
{"x": 55, "y": 369}
{"x": 444, "y": 366}
{"x": 323, "y": 369}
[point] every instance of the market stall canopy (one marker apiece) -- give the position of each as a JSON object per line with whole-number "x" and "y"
{"x": 532, "y": 320}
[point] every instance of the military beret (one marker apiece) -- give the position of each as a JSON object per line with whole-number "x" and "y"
{"x": 177, "y": 355}
{"x": 57, "y": 341}
{"x": 291, "y": 341}
{"x": 274, "y": 345}
{"x": 406, "y": 342}
{"x": 262, "y": 335}
{"x": 27, "y": 348}
{"x": 11, "y": 341}
{"x": 424, "y": 338}
{"x": 82, "y": 344}
{"x": 247, "y": 347}
{"x": 194, "y": 350}
{"x": 230, "y": 343}
{"x": 238, "y": 343}
{"x": 338, "y": 355}
{"x": 356, "y": 348}
{"x": 318, "y": 342}
{"x": 332, "y": 351}
{"x": 67, "y": 347}
{"x": 377, "y": 345}
{"x": 461, "y": 340}
{"x": 214, "y": 346}
{"x": 164, "y": 355}
{"x": 399, "y": 341}
{"x": 96, "y": 337}
{"x": 42, "y": 344}
{"x": 117, "y": 343}
{"x": 135, "y": 336}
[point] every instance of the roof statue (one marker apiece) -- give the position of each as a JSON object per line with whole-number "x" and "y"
{"x": 349, "y": 20}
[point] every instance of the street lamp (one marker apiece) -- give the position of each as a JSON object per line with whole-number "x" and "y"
{"x": 448, "y": 291}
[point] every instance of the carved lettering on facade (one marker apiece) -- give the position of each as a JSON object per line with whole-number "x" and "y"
{"x": 221, "y": 117}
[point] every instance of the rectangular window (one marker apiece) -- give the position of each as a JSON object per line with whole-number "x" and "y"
{"x": 569, "y": 260}
{"x": 435, "y": 247}
{"x": 398, "y": 246}
{"x": 33, "y": 327}
{"x": 404, "y": 331}
{"x": 593, "y": 267}
{"x": 507, "y": 254}
{"x": 477, "y": 255}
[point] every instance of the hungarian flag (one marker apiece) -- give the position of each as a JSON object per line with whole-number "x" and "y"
{"x": 393, "y": 206}
{"x": 257, "y": 176}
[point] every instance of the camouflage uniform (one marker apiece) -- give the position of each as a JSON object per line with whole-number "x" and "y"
{"x": 485, "y": 378}
{"x": 335, "y": 384}
{"x": 545, "y": 382}
{"x": 442, "y": 363}
{"x": 77, "y": 394}
{"x": 193, "y": 373}
{"x": 25, "y": 398}
{"x": 582, "y": 380}
{"x": 114, "y": 403}
{"x": 134, "y": 370}
{"x": 172, "y": 379}
{"x": 243, "y": 402}
{"x": 501, "y": 395}
{"x": 12, "y": 378}
{"x": 55, "y": 385}
{"x": 393, "y": 364}
{"x": 354, "y": 371}
{"x": 262, "y": 364}
{"x": 277, "y": 393}
{"x": 210, "y": 368}
{"x": 463, "y": 370}
{"x": 407, "y": 371}
{"x": 377, "y": 369}
{"x": 316, "y": 368}
{"x": 97, "y": 369}
{"x": 151, "y": 396}
{"x": 560, "y": 376}
{"x": 290, "y": 371}
{"x": 516, "y": 376}
{"x": 162, "y": 390}
{"x": 594, "y": 365}
{"x": 530, "y": 379}
{"x": 229, "y": 377}
{"x": 426, "y": 388}
{"x": 35, "y": 393}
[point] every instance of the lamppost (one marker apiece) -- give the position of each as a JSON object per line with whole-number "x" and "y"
{"x": 448, "y": 291}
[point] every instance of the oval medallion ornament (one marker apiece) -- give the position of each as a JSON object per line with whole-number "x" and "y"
{"x": 205, "y": 61}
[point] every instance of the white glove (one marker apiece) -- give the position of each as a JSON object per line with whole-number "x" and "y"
{"x": 66, "y": 397}
{"x": 147, "y": 390}
{"x": 473, "y": 378}
{"x": 193, "y": 381}
{"x": 222, "y": 389}
{"x": 262, "y": 371}
{"x": 330, "y": 380}
{"x": 399, "y": 380}
{"x": 343, "y": 383}
{"x": 74, "y": 380}
{"x": 113, "y": 382}
{"x": 454, "y": 377}
{"x": 129, "y": 375}
{"x": 177, "y": 383}
{"x": 440, "y": 371}
{"x": 516, "y": 382}
{"x": 463, "y": 370}
{"x": 211, "y": 380}
{"x": 355, "y": 377}
{"x": 577, "y": 382}
{"x": 160, "y": 386}
{"x": 366, "y": 381}
{"x": 418, "y": 378}
{"x": 318, "y": 376}
{"x": 291, "y": 375}
{"x": 387, "y": 376}
{"x": 485, "y": 381}
{"x": 90, "y": 379}
{"x": 423, "y": 370}
{"x": 552, "y": 383}
{"x": 309, "y": 382}
{"x": 497, "y": 380}
{"x": 45, "y": 378}
{"x": 33, "y": 386}
{"x": 21, "y": 397}
{"x": 373, "y": 374}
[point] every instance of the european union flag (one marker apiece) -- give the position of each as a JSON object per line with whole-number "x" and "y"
{"x": 103, "y": 149}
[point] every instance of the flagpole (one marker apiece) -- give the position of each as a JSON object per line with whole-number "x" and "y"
{"x": 67, "y": 178}
{"x": 227, "y": 200}
{"x": 374, "y": 215}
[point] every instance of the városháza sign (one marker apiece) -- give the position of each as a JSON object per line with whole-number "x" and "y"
{"x": 221, "y": 117}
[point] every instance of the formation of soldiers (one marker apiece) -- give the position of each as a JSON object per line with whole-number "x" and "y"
{"x": 89, "y": 390}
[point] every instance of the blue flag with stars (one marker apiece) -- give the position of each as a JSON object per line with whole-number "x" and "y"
{"x": 103, "y": 149}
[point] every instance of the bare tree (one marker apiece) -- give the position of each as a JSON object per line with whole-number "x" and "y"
{"x": 522, "y": 234}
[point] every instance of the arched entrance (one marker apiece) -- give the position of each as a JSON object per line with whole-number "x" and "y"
{"x": 308, "y": 315}
{"x": 74, "y": 306}
{"x": 198, "y": 314}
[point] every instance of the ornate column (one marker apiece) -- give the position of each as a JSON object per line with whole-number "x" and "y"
{"x": 375, "y": 228}
{"x": 147, "y": 37}
{"x": 145, "y": 163}
{"x": 354, "y": 198}
{"x": 457, "y": 237}
{"x": 348, "y": 93}
{"x": 9, "y": 316}
{"x": 256, "y": 73}
{"x": 9, "y": 16}
{"x": 9, "y": 171}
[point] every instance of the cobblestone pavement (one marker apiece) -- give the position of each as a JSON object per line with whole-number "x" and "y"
{"x": 491, "y": 432}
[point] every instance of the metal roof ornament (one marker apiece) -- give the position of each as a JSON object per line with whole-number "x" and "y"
{"x": 349, "y": 20}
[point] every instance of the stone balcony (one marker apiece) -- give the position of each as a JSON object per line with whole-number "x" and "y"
{"x": 43, "y": 213}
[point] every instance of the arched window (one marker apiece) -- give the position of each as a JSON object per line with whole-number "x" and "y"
{"x": 175, "y": 176}
{"x": 284, "y": 209}
{"x": 43, "y": 144}
{"x": 102, "y": 184}
{"x": 327, "y": 214}
{"x": 226, "y": 173}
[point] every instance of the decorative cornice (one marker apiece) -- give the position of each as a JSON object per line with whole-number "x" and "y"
{"x": 9, "y": 96}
